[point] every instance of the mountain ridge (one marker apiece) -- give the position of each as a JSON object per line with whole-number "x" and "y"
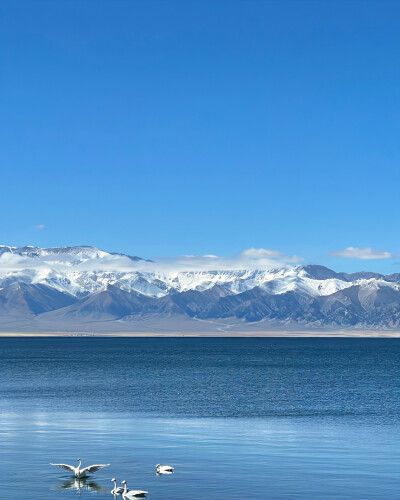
{"x": 86, "y": 286}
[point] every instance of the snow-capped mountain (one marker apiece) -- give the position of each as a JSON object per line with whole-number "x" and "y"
{"x": 87, "y": 284}
{"x": 64, "y": 255}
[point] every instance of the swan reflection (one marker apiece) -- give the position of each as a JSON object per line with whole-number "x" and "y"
{"x": 81, "y": 484}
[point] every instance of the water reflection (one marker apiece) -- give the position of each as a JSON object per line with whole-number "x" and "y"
{"x": 81, "y": 484}
{"x": 316, "y": 418}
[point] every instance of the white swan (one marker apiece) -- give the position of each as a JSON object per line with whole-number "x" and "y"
{"x": 117, "y": 490}
{"x": 132, "y": 493}
{"x": 78, "y": 471}
{"x": 164, "y": 469}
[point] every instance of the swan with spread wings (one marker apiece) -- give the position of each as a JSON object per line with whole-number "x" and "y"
{"x": 81, "y": 471}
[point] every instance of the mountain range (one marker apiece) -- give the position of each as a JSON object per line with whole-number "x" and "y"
{"x": 85, "y": 289}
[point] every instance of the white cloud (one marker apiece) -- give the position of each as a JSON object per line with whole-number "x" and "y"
{"x": 40, "y": 226}
{"x": 252, "y": 258}
{"x": 262, "y": 253}
{"x": 14, "y": 261}
{"x": 363, "y": 253}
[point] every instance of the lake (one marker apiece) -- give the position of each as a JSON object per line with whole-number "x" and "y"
{"x": 239, "y": 418}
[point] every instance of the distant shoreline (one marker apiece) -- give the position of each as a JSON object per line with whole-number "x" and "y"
{"x": 265, "y": 334}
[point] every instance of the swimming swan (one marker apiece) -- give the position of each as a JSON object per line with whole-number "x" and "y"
{"x": 78, "y": 472}
{"x": 117, "y": 490}
{"x": 132, "y": 493}
{"x": 164, "y": 469}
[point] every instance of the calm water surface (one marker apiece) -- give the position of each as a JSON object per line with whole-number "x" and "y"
{"x": 238, "y": 418}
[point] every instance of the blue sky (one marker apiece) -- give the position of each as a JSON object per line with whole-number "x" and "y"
{"x": 162, "y": 128}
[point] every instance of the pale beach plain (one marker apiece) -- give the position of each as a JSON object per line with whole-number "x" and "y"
{"x": 272, "y": 334}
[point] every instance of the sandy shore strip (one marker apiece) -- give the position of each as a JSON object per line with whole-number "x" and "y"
{"x": 276, "y": 334}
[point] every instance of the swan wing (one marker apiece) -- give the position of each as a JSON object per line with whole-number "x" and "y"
{"x": 136, "y": 493}
{"x": 165, "y": 469}
{"x": 65, "y": 466}
{"x": 117, "y": 491}
{"x": 94, "y": 468}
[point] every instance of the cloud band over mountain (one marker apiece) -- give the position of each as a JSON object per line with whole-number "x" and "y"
{"x": 363, "y": 254}
{"x": 97, "y": 260}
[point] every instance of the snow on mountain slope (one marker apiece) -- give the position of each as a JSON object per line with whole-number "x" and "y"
{"x": 83, "y": 270}
{"x": 63, "y": 256}
{"x": 87, "y": 284}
